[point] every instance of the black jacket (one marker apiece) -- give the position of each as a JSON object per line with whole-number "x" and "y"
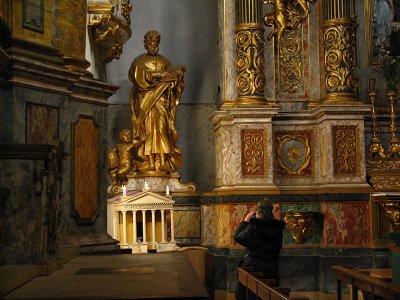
{"x": 263, "y": 241}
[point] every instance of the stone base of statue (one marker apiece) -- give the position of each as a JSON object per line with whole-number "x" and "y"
{"x": 158, "y": 184}
{"x": 159, "y": 247}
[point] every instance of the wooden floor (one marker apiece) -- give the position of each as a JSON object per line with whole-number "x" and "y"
{"x": 124, "y": 276}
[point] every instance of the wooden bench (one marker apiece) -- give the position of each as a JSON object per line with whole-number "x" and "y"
{"x": 252, "y": 285}
{"x": 375, "y": 288}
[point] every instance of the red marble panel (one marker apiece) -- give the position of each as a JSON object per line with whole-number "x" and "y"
{"x": 86, "y": 164}
{"x": 346, "y": 224}
{"x": 238, "y": 213}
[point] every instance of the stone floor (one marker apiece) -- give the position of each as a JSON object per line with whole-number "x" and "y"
{"x": 119, "y": 276}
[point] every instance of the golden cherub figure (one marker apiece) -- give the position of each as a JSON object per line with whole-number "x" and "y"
{"x": 120, "y": 158}
{"x": 286, "y": 14}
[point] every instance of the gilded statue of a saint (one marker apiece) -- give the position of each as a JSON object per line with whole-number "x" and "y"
{"x": 157, "y": 89}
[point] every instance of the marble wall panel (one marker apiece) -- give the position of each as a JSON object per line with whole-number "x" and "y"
{"x": 187, "y": 222}
{"x": 41, "y": 124}
{"x": 208, "y": 233}
{"x": 20, "y": 213}
{"x": 346, "y": 224}
{"x": 223, "y": 223}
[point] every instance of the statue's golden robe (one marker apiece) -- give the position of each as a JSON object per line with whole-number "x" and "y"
{"x": 153, "y": 102}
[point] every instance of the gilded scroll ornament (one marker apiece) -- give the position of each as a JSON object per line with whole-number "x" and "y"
{"x": 293, "y": 153}
{"x": 346, "y": 158}
{"x": 383, "y": 183}
{"x": 250, "y": 62}
{"x": 290, "y": 63}
{"x": 338, "y": 43}
{"x": 388, "y": 164}
{"x": 253, "y": 152}
{"x": 384, "y": 173}
{"x": 126, "y": 9}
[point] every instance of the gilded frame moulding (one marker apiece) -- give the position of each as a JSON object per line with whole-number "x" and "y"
{"x": 293, "y": 154}
{"x": 109, "y": 30}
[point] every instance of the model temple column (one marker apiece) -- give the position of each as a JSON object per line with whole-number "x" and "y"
{"x": 163, "y": 227}
{"x": 153, "y": 226}
{"x": 338, "y": 38}
{"x": 144, "y": 225}
{"x": 134, "y": 229}
{"x": 250, "y": 61}
{"x": 124, "y": 227}
{"x": 172, "y": 226}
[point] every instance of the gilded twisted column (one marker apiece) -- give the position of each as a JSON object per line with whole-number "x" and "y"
{"x": 339, "y": 53}
{"x": 250, "y": 61}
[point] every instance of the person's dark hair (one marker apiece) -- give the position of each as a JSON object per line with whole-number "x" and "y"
{"x": 264, "y": 209}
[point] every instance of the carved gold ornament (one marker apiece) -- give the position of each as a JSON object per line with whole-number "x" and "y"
{"x": 298, "y": 224}
{"x": 375, "y": 145}
{"x": 338, "y": 43}
{"x": 384, "y": 173}
{"x": 394, "y": 148}
{"x": 286, "y": 14}
{"x": 345, "y": 153}
{"x": 389, "y": 164}
{"x": 392, "y": 210}
{"x": 290, "y": 63}
{"x": 293, "y": 153}
{"x": 250, "y": 62}
{"x": 253, "y": 152}
{"x": 110, "y": 22}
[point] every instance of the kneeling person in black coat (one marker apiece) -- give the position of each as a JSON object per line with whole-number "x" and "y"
{"x": 261, "y": 232}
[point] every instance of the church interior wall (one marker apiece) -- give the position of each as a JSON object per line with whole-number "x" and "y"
{"x": 205, "y": 43}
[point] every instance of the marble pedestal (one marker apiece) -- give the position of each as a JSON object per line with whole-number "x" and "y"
{"x": 243, "y": 149}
